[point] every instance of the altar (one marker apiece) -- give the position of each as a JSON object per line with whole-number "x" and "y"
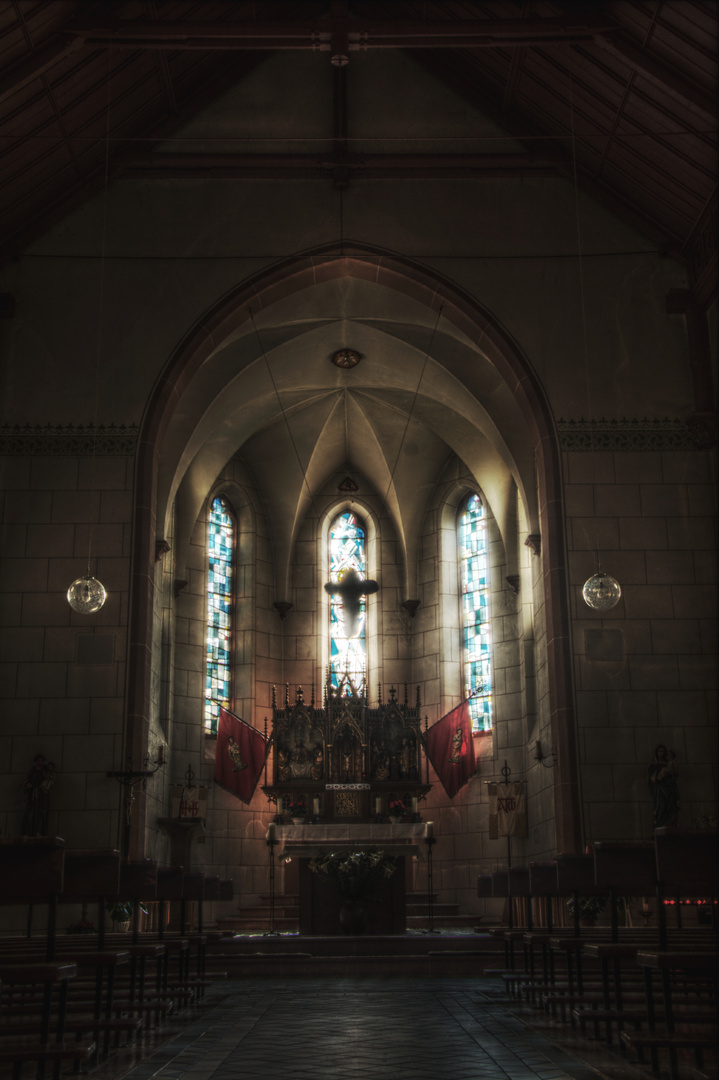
{"x": 319, "y": 901}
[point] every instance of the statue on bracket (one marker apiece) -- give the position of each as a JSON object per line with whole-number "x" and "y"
{"x": 664, "y": 787}
{"x": 37, "y": 798}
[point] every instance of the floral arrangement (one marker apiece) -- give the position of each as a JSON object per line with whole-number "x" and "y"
{"x": 296, "y": 808}
{"x": 397, "y": 808}
{"x": 354, "y": 873}
{"x": 590, "y": 907}
{"x": 121, "y": 910}
{"x": 84, "y": 926}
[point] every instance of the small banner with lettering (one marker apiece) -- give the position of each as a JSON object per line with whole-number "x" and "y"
{"x": 188, "y": 803}
{"x": 507, "y": 810}
{"x": 240, "y": 756}
{"x": 450, "y": 748}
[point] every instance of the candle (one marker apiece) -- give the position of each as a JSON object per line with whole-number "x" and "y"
{"x": 316, "y": 806}
{"x": 279, "y": 804}
{"x": 378, "y": 804}
{"x": 645, "y": 904}
{"x": 271, "y": 833}
{"x": 429, "y": 830}
{"x": 414, "y": 804}
{"x": 161, "y": 755}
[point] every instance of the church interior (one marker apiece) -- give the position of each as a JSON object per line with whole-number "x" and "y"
{"x": 358, "y": 448}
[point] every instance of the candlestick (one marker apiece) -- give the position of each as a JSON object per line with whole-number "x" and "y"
{"x": 161, "y": 755}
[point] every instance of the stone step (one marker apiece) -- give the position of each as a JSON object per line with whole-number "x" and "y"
{"x": 439, "y": 909}
{"x": 260, "y": 923}
{"x": 290, "y": 911}
{"x": 415, "y": 954}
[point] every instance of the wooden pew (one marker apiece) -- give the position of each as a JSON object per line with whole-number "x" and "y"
{"x": 32, "y": 872}
{"x": 686, "y": 866}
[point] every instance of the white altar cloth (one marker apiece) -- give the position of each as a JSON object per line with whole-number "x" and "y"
{"x": 309, "y": 841}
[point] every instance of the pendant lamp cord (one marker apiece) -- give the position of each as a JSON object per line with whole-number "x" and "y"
{"x": 584, "y": 318}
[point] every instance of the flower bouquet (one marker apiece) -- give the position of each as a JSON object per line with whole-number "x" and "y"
{"x": 296, "y": 808}
{"x": 397, "y": 808}
{"x": 354, "y": 873}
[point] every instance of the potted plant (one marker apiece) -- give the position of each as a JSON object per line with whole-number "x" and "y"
{"x": 120, "y": 911}
{"x": 590, "y": 908}
{"x": 397, "y": 810}
{"x": 297, "y": 809}
{"x": 354, "y": 874}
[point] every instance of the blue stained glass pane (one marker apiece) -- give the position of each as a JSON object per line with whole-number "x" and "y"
{"x": 346, "y": 551}
{"x": 472, "y": 546}
{"x": 220, "y": 543}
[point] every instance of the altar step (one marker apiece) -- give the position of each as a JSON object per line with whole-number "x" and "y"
{"x": 287, "y": 913}
{"x": 412, "y": 954}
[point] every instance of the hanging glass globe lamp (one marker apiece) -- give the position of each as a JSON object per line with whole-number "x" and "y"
{"x": 601, "y": 591}
{"x": 86, "y": 595}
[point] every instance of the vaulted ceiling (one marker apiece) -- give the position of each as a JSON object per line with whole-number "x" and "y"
{"x": 620, "y": 95}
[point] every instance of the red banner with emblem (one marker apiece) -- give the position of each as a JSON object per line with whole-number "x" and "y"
{"x": 240, "y": 757}
{"x": 450, "y": 748}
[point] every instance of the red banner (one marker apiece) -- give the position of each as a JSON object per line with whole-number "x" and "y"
{"x": 240, "y": 758}
{"x": 450, "y": 748}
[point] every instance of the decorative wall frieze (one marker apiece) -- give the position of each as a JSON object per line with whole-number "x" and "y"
{"x": 645, "y": 434}
{"x": 69, "y": 440}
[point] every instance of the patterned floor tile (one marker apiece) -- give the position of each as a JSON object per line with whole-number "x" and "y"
{"x": 359, "y": 1029}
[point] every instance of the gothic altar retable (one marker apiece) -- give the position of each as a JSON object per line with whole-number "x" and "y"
{"x": 345, "y": 763}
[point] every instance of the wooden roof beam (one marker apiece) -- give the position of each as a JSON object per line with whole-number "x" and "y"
{"x": 322, "y": 35}
{"x": 659, "y": 73}
{"x": 38, "y": 64}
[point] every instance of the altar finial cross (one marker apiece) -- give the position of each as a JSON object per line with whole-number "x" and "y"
{"x": 351, "y": 587}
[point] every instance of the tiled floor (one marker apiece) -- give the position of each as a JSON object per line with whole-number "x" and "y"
{"x": 358, "y": 1029}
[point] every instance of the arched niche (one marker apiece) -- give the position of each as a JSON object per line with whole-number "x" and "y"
{"x": 437, "y": 374}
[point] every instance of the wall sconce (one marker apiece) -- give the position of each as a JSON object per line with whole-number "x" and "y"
{"x": 548, "y": 763}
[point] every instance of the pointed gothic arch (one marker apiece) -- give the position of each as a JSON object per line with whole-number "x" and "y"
{"x": 165, "y": 447}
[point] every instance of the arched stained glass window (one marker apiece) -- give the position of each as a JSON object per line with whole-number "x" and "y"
{"x": 220, "y": 574}
{"x": 348, "y": 656}
{"x": 476, "y": 629}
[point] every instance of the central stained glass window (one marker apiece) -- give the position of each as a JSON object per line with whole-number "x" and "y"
{"x": 347, "y": 551}
{"x": 220, "y": 574}
{"x": 476, "y": 629}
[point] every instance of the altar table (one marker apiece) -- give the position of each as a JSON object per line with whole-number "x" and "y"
{"x": 319, "y": 902}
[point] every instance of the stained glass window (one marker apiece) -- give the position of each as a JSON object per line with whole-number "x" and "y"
{"x": 476, "y": 629}
{"x": 347, "y": 552}
{"x": 221, "y": 549}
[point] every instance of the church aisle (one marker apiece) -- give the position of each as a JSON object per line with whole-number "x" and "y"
{"x": 359, "y": 1029}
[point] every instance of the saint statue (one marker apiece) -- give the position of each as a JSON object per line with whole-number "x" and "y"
{"x": 283, "y": 766}
{"x": 318, "y": 763}
{"x": 36, "y": 793}
{"x": 664, "y": 787}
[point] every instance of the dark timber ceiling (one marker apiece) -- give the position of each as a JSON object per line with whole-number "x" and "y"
{"x": 622, "y": 94}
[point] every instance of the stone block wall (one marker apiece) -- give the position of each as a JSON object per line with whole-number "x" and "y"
{"x": 645, "y": 671}
{"x": 62, "y": 674}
